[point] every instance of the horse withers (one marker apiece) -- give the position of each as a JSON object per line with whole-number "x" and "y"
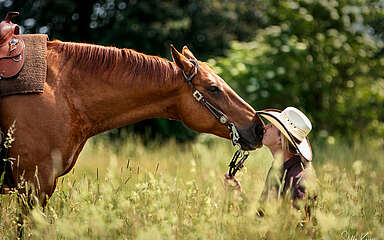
{"x": 91, "y": 89}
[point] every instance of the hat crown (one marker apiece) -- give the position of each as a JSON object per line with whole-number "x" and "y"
{"x": 296, "y": 122}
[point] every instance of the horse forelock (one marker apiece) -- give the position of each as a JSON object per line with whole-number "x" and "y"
{"x": 101, "y": 59}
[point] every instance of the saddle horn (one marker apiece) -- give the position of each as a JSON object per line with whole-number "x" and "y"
{"x": 11, "y": 15}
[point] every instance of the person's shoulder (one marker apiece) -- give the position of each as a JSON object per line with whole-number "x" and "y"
{"x": 296, "y": 165}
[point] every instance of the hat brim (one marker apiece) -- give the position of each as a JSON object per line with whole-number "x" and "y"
{"x": 303, "y": 147}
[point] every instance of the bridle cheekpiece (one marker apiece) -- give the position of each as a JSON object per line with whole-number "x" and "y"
{"x": 218, "y": 114}
{"x": 240, "y": 156}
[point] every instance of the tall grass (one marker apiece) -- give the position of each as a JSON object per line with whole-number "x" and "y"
{"x": 168, "y": 191}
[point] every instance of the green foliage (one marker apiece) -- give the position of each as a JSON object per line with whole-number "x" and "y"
{"x": 177, "y": 192}
{"x": 148, "y": 26}
{"x": 324, "y": 57}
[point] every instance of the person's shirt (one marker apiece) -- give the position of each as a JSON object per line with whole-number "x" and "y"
{"x": 290, "y": 178}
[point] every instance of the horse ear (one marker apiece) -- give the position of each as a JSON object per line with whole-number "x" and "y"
{"x": 186, "y": 52}
{"x": 180, "y": 60}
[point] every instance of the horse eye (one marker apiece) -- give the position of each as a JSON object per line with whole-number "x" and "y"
{"x": 214, "y": 89}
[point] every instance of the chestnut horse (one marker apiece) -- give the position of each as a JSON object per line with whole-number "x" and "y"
{"x": 91, "y": 89}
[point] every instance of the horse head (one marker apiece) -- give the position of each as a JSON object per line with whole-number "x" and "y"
{"x": 208, "y": 104}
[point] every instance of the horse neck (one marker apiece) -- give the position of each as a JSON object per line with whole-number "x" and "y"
{"x": 112, "y": 87}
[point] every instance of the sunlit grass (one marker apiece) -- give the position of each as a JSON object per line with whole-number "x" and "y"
{"x": 168, "y": 191}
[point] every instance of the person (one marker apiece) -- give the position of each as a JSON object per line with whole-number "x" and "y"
{"x": 286, "y": 137}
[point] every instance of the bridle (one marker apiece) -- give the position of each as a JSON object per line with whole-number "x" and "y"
{"x": 219, "y": 115}
{"x": 234, "y": 165}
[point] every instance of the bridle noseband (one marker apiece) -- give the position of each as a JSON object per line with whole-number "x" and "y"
{"x": 240, "y": 156}
{"x": 219, "y": 115}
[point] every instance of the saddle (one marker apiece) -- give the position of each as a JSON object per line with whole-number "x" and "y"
{"x": 11, "y": 48}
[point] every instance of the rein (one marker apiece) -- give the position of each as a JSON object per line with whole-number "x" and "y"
{"x": 234, "y": 165}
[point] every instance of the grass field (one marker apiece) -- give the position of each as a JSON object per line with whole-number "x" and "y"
{"x": 168, "y": 191}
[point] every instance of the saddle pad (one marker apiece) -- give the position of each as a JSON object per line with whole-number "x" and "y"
{"x": 34, "y": 73}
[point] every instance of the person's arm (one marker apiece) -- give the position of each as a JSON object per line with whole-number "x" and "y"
{"x": 232, "y": 182}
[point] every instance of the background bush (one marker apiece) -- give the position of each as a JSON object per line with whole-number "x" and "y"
{"x": 325, "y": 57}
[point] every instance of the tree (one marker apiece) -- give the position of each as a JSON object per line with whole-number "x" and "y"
{"x": 324, "y": 57}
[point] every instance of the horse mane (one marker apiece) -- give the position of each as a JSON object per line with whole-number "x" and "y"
{"x": 96, "y": 59}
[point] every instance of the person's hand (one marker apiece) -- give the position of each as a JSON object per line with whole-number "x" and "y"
{"x": 232, "y": 182}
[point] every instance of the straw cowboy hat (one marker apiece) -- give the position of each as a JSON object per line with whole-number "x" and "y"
{"x": 294, "y": 125}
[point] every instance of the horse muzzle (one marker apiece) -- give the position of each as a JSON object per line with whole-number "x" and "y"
{"x": 251, "y": 138}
